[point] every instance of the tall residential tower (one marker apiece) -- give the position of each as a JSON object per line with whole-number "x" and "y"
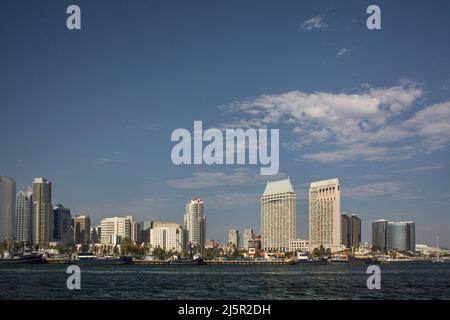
{"x": 62, "y": 224}
{"x": 7, "y": 208}
{"x": 195, "y": 223}
{"x": 325, "y": 214}
{"x": 351, "y": 230}
{"x": 278, "y": 215}
{"x": 42, "y": 211}
{"x": 24, "y": 212}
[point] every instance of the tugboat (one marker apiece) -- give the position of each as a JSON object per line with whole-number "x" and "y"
{"x": 89, "y": 258}
{"x": 26, "y": 258}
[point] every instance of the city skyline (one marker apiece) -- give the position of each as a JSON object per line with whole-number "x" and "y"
{"x": 369, "y": 108}
{"x": 277, "y": 213}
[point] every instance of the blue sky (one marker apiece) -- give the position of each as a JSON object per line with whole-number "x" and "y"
{"x": 93, "y": 110}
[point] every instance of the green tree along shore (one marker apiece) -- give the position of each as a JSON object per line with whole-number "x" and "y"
{"x": 129, "y": 248}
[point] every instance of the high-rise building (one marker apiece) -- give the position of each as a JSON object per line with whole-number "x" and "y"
{"x": 411, "y": 235}
{"x": 351, "y": 230}
{"x": 195, "y": 223}
{"x": 24, "y": 211}
{"x": 114, "y": 230}
{"x": 82, "y": 229}
{"x": 136, "y": 232}
{"x": 248, "y": 235}
{"x": 233, "y": 237}
{"x": 42, "y": 211}
{"x": 62, "y": 224}
{"x": 325, "y": 214}
{"x": 95, "y": 234}
{"x": 356, "y": 231}
{"x": 7, "y": 208}
{"x": 401, "y": 236}
{"x": 379, "y": 234}
{"x": 278, "y": 215}
{"x": 346, "y": 230}
{"x": 168, "y": 236}
{"x": 145, "y": 231}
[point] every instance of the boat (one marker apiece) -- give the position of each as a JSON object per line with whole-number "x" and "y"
{"x": 302, "y": 258}
{"x": 437, "y": 258}
{"x": 187, "y": 262}
{"x": 339, "y": 258}
{"x": 196, "y": 260}
{"x": 26, "y": 258}
{"x": 89, "y": 258}
{"x": 362, "y": 260}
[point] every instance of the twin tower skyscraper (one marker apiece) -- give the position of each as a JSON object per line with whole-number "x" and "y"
{"x": 27, "y": 216}
{"x": 279, "y": 215}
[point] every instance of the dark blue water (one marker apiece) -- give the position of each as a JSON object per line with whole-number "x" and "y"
{"x": 398, "y": 281}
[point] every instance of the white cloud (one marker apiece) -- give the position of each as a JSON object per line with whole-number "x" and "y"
{"x": 316, "y": 22}
{"x": 341, "y": 52}
{"x": 103, "y": 160}
{"x": 207, "y": 179}
{"x": 372, "y": 124}
{"x": 372, "y": 190}
{"x": 421, "y": 169}
{"x": 234, "y": 199}
{"x": 433, "y": 124}
{"x": 446, "y": 85}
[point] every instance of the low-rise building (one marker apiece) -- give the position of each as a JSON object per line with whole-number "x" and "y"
{"x": 298, "y": 245}
{"x": 168, "y": 236}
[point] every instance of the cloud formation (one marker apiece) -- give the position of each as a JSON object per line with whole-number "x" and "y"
{"x": 316, "y": 22}
{"x": 341, "y": 52}
{"x": 372, "y": 124}
{"x": 372, "y": 190}
{"x": 207, "y": 179}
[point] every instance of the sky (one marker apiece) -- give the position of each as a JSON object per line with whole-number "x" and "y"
{"x": 92, "y": 110}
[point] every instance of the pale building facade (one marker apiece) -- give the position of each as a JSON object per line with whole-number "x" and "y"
{"x": 248, "y": 235}
{"x": 24, "y": 211}
{"x": 325, "y": 214}
{"x": 195, "y": 223}
{"x": 298, "y": 245}
{"x": 233, "y": 237}
{"x": 114, "y": 230}
{"x": 168, "y": 236}
{"x": 278, "y": 215}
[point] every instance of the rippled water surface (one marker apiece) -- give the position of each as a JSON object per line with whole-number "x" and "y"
{"x": 398, "y": 281}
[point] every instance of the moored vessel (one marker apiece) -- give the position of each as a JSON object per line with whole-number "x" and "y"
{"x": 89, "y": 258}
{"x": 26, "y": 258}
{"x": 302, "y": 258}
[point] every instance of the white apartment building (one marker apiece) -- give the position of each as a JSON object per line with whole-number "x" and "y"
{"x": 168, "y": 236}
{"x": 278, "y": 215}
{"x": 298, "y": 245}
{"x": 195, "y": 223}
{"x": 325, "y": 214}
{"x": 115, "y": 229}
